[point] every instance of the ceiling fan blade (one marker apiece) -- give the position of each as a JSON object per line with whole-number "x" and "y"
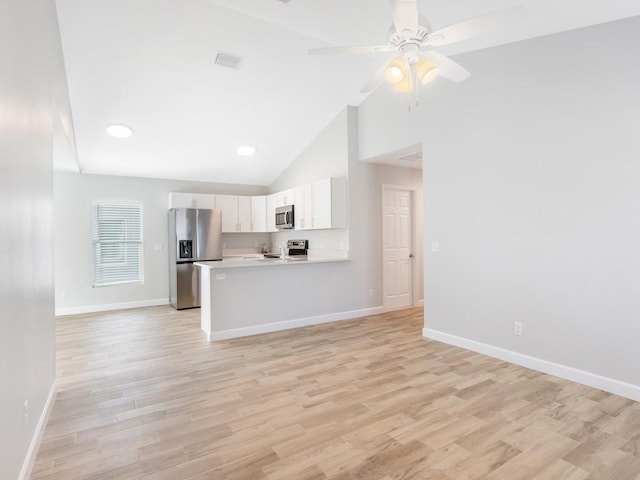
{"x": 447, "y": 68}
{"x": 405, "y": 15}
{"x": 352, "y": 50}
{"x": 476, "y": 26}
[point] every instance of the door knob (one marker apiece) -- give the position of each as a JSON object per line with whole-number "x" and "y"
{"x": 411, "y": 255}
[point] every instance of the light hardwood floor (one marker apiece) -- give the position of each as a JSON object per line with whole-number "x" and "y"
{"x": 141, "y": 394}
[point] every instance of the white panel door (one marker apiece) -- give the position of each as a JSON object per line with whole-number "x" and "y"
{"x": 397, "y": 245}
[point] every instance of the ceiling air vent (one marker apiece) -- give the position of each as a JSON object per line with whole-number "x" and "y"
{"x": 410, "y": 157}
{"x": 284, "y": 1}
{"x": 228, "y": 60}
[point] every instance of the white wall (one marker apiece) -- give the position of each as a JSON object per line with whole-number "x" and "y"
{"x": 33, "y": 91}
{"x": 74, "y": 194}
{"x": 531, "y": 177}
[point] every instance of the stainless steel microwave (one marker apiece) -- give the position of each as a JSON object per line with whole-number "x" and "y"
{"x": 284, "y": 217}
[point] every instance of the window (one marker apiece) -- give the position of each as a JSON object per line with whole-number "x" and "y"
{"x": 117, "y": 243}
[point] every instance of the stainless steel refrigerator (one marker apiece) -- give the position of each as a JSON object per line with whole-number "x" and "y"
{"x": 195, "y": 235}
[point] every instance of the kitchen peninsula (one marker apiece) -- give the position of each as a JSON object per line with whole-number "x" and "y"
{"x": 244, "y": 296}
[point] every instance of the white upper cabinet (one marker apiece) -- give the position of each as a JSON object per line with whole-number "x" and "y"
{"x": 236, "y": 213}
{"x": 191, "y": 200}
{"x": 275, "y": 200}
{"x": 321, "y": 205}
{"x": 244, "y": 214}
{"x": 317, "y": 205}
{"x": 259, "y": 213}
{"x": 205, "y": 200}
{"x": 329, "y": 203}
{"x": 271, "y": 213}
{"x": 303, "y": 207}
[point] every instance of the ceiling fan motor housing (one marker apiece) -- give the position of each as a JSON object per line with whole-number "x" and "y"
{"x": 398, "y": 39}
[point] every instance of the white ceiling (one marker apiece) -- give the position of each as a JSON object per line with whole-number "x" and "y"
{"x": 150, "y": 64}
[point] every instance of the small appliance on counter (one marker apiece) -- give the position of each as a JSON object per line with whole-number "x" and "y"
{"x": 298, "y": 249}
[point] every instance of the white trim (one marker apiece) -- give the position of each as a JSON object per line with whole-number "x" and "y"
{"x": 32, "y": 452}
{"x": 420, "y": 303}
{"x": 111, "y": 306}
{"x": 607, "y": 384}
{"x": 288, "y": 324}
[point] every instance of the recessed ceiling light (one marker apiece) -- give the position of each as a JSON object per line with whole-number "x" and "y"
{"x": 119, "y": 131}
{"x": 246, "y": 150}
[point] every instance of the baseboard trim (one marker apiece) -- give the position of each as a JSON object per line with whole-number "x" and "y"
{"x": 288, "y": 324}
{"x": 32, "y": 452}
{"x": 607, "y": 384}
{"x": 111, "y": 306}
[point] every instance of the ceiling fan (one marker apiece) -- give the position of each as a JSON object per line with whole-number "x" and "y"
{"x": 410, "y": 36}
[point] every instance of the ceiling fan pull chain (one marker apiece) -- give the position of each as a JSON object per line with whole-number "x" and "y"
{"x": 414, "y": 82}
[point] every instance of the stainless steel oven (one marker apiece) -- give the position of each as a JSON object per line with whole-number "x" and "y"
{"x": 284, "y": 217}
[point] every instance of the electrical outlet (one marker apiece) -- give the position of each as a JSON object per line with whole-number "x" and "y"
{"x": 435, "y": 246}
{"x": 65, "y": 294}
{"x": 371, "y": 292}
{"x": 517, "y": 328}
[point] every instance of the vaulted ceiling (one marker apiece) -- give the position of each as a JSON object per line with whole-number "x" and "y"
{"x": 149, "y": 64}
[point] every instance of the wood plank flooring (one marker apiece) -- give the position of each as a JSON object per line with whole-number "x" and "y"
{"x": 142, "y": 395}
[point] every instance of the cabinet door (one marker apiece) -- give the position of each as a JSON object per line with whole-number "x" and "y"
{"x": 229, "y": 206}
{"x": 272, "y": 203}
{"x": 303, "y": 211}
{"x": 244, "y": 214}
{"x": 205, "y": 200}
{"x": 321, "y": 200}
{"x": 329, "y": 203}
{"x": 181, "y": 200}
{"x": 286, "y": 197}
{"x": 259, "y": 213}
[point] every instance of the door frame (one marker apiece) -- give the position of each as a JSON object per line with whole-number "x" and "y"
{"x": 417, "y": 255}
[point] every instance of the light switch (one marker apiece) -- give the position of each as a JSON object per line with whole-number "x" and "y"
{"x": 435, "y": 246}
{"x": 157, "y": 247}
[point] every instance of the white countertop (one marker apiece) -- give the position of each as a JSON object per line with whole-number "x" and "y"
{"x": 250, "y": 261}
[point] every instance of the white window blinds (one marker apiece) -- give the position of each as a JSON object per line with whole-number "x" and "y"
{"x": 117, "y": 243}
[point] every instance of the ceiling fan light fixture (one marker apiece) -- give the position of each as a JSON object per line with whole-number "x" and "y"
{"x": 429, "y": 76}
{"x": 394, "y": 74}
{"x": 427, "y": 71}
